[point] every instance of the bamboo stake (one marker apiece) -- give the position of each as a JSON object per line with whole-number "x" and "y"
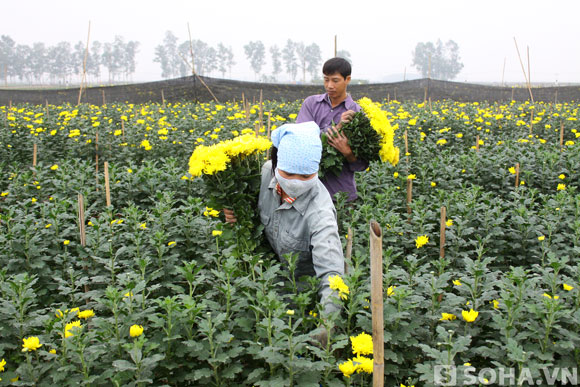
{"x": 512, "y": 94}
{"x": 477, "y": 143}
{"x": 409, "y": 195}
{"x": 84, "y": 77}
{"x": 268, "y": 134}
{"x": 107, "y": 185}
{"x": 335, "y": 45}
{"x": 503, "y": 71}
{"x": 104, "y": 99}
{"x": 247, "y": 108}
{"x": 46, "y": 107}
{"x": 425, "y": 98}
{"x": 10, "y": 104}
{"x": 376, "y": 245}
{"x": 123, "y": 129}
{"x": 406, "y": 146}
{"x": 430, "y": 107}
{"x": 561, "y": 136}
{"x": 556, "y": 97}
{"x": 405, "y": 74}
{"x": 261, "y": 110}
{"x": 517, "y": 175}
{"x": 34, "y": 152}
{"x": 388, "y": 97}
{"x": 395, "y": 93}
{"x": 531, "y": 121}
{"x": 442, "y": 227}
{"x": 525, "y": 76}
{"x": 162, "y": 98}
{"x": 82, "y": 232}
{"x": 348, "y": 254}
{"x": 97, "y": 160}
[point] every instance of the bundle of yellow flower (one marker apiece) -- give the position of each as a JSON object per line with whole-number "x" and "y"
{"x": 370, "y": 137}
{"x": 361, "y": 345}
{"x": 230, "y": 171}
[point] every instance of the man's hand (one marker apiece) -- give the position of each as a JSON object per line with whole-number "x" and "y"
{"x": 345, "y": 118}
{"x": 230, "y": 217}
{"x": 340, "y": 142}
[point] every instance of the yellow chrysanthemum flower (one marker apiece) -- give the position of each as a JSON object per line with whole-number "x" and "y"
{"x": 362, "y": 344}
{"x": 136, "y": 330}
{"x": 447, "y": 317}
{"x": 421, "y": 241}
{"x": 31, "y": 343}
{"x": 336, "y": 283}
{"x": 469, "y": 316}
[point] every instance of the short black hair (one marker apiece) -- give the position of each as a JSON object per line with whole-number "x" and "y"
{"x": 337, "y": 65}
{"x": 274, "y": 158}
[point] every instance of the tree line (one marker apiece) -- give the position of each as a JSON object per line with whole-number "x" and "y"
{"x": 63, "y": 63}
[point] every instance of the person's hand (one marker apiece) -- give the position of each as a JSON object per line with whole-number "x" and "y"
{"x": 339, "y": 141}
{"x": 345, "y": 118}
{"x": 230, "y": 217}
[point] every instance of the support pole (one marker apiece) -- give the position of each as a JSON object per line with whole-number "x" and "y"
{"x": 442, "y": 227}
{"x": 107, "y": 185}
{"x": 377, "y": 304}
{"x": 348, "y": 254}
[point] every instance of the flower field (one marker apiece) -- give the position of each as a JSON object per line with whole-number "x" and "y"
{"x": 155, "y": 289}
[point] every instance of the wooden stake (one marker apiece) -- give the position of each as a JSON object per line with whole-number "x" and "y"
{"x": 123, "y": 129}
{"x": 556, "y": 97}
{"x": 395, "y": 93}
{"x": 406, "y": 146}
{"x": 162, "y": 98}
{"x": 388, "y": 97}
{"x": 268, "y": 134}
{"x": 512, "y": 94}
{"x": 97, "y": 159}
{"x": 104, "y": 99}
{"x": 503, "y": 71}
{"x": 561, "y": 136}
{"x": 261, "y": 110}
{"x": 477, "y": 143}
{"x": 247, "y": 108}
{"x": 409, "y": 195}
{"x": 525, "y": 76}
{"x": 405, "y": 74}
{"x": 34, "y": 151}
{"x": 335, "y": 46}
{"x": 348, "y": 254}
{"x": 425, "y": 97}
{"x": 82, "y": 232}
{"x": 376, "y": 245}
{"x": 442, "y": 227}
{"x": 46, "y": 107}
{"x": 84, "y": 77}
{"x": 430, "y": 107}
{"x": 531, "y": 121}
{"x": 107, "y": 185}
{"x": 517, "y": 175}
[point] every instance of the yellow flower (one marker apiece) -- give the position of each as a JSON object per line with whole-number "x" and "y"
{"x": 459, "y": 135}
{"x": 216, "y": 232}
{"x": 363, "y": 364}
{"x": 211, "y": 212}
{"x": 562, "y": 176}
{"x": 541, "y": 238}
{"x": 362, "y": 344}
{"x": 48, "y": 225}
{"x": 456, "y": 282}
{"x": 411, "y": 177}
{"x": 312, "y": 313}
{"x": 396, "y": 174}
{"x": 561, "y": 187}
{"x": 54, "y": 167}
{"x": 2, "y": 364}
{"x": 172, "y": 243}
{"x": 143, "y": 226}
{"x": 347, "y": 368}
{"x": 71, "y": 325}
{"x": 86, "y": 314}
{"x": 469, "y": 316}
{"x": 66, "y": 242}
{"x": 336, "y": 283}
{"x": 512, "y": 170}
{"x": 3, "y": 194}
{"x": 550, "y": 297}
{"x": 146, "y": 145}
{"x": 30, "y": 344}
{"x": 129, "y": 170}
{"x": 421, "y": 241}
{"x": 567, "y": 287}
{"x": 447, "y": 317}
{"x": 449, "y": 223}
{"x": 467, "y": 364}
{"x": 495, "y": 304}
{"x": 129, "y": 294}
{"x": 53, "y": 351}
{"x": 136, "y": 330}
{"x": 391, "y": 290}
{"x": 441, "y": 141}
{"x": 33, "y": 200}
{"x": 433, "y": 184}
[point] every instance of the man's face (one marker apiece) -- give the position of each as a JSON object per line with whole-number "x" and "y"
{"x": 335, "y": 84}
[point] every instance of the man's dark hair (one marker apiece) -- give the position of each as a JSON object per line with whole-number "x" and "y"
{"x": 274, "y": 157}
{"x": 337, "y": 65}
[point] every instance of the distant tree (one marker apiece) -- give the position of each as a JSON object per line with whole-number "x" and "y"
{"x": 230, "y": 60}
{"x": 38, "y": 61}
{"x": 129, "y": 63}
{"x": 7, "y": 57}
{"x": 23, "y": 54}
{"x": 313, "y": 60}
{"x": 94, "y": 60}
{"x": 276, "y": 63}
{"x": 300, "y": 50}
{"x": 344, "y": 54}
{"x": 222, "y": 56}
{"x": 289, "y": 58}
{"x": 167, "y": 55}
{"x": 78, "y": 57}
{"x": 255, "y": 52}
{"x": 60, "y": 62}
{"x": 205, "y": 57}
{"x": 445, "y": 61}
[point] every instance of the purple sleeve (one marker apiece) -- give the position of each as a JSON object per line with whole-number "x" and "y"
{"x": 358, "y": 165}
{"x": 305, "y": 113}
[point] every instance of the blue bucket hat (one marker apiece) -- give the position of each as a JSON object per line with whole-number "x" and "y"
{"x": 299, "y": 147}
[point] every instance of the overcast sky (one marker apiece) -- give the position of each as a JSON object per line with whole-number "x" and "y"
{"x": 380, "y": 35}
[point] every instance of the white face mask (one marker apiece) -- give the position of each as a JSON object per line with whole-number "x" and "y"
{"x": 296, "y": 187}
